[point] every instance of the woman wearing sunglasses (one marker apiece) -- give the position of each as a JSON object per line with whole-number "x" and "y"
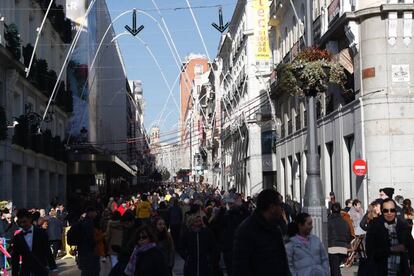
{"x": 146, "y": 259}
{"x": 389, "y": 244}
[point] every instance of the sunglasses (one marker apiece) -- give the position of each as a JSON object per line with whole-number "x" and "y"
{"x": 143, "y": 237}
{"x": 385, "y": 211}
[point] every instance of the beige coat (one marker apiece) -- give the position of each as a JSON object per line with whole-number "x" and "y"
{"x": 113, "y": 235}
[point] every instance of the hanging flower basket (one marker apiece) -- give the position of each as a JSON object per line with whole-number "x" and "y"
{"x": 310, "y": 73}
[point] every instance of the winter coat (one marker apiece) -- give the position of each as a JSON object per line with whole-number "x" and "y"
{"x": 86, "y": 247}
{"x": 151, "y": 263}
{"x": 307, "y": 260}
{"x": 166, "y": 246}
{"x": 197, "y": 249}
{"x": 347, "y": 218}
{"x": 144, "y": 210}
{"x": 99, "y": 242}
{"x": 175, "y": 215}
{"x": 9, "y": 229}
{"x": 338, "y": 232}
{"x": 356, "y": 217}
{"x": 113, "y": 235}
{"x": 258, "y": 248}
{"x": 378, "y": 245}
{"x": 55, "y": 229}
{"x": 230, "y": 221}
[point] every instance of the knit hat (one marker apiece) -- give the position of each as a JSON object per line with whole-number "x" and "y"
{"x": 388, "y": 191}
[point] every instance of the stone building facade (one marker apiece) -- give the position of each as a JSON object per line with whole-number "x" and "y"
{"x": 371, "y": 120}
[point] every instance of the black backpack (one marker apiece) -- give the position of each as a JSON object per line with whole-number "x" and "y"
{"x": 74, "y": 235}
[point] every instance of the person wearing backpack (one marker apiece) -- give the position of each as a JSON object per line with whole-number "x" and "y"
{"x": 88, "y": 261}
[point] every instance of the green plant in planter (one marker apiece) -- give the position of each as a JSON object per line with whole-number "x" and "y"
{"x": 12, "y": 37}
{"x": 40, "y": 74}
{"x": 310, "y": 73}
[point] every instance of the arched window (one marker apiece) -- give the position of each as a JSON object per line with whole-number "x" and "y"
{"x": 287, "y": 43}
{"x": 302, "y": 12}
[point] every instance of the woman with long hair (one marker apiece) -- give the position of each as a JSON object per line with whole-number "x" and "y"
{"x": 408, "y": 212}
{"x": 146, "y": 259}
{"x": 165, "y": 242}
{"x": 305, "y": 252}
{"x": 374, "y": 211}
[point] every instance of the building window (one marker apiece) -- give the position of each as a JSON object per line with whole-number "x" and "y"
{"x": 330, "y": 150}
{"x": 349, "y": 142}
{"x": 268, "y": 139}
{"x": 198, "y": 69}
{"x": 61, "y": 130}
{"x": 17, "y": 105}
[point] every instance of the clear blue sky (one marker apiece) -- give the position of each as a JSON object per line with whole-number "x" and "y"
{"x": 139, "y": 63}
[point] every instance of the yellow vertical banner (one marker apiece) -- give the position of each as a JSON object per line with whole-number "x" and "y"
{"x": 261, "y": 17}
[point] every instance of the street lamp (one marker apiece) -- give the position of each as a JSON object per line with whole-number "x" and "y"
{"x": 314, "y": 203}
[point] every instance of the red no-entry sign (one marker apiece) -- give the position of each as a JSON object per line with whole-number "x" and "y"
{"x": 360, "y": 167}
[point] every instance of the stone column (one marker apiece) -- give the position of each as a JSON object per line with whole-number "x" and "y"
{"x": 23, "y": 188}
{"x": 255, "y": 160}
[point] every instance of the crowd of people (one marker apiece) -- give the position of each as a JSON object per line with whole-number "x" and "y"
{"x": 215, "y": 232}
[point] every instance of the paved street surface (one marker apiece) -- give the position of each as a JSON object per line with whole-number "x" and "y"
{"x": 68, "y": 268}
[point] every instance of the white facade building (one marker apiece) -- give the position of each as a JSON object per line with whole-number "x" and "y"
{"x": 243, "y": 70}
{"x": 372, "y": 120}
{"x": 32, "y": 167}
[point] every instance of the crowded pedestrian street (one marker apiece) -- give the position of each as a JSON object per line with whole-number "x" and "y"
{"x": 206, "y": 137}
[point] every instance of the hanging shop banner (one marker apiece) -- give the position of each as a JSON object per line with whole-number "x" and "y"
{"x": 261, "y": 11}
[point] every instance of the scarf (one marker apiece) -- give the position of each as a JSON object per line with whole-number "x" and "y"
{"x": 393, "y": 262}
{"x": 303, "y": 240}
{"x": 130, "y": 269}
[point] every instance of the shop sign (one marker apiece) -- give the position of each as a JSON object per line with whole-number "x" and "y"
{"x": 261, "y": 14}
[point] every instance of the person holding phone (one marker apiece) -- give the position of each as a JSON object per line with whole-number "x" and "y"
{"x": 389, "y": 244}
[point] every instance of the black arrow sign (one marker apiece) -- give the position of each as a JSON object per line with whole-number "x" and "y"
{"x": 134, "y": 31}
{"x": 221, "y": 28}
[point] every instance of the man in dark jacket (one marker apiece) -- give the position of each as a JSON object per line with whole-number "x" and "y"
{"x": 258, "y": 248}
{"x": 197, "y": 248}
{"x": 389, "y": 243}
{"x": 31, "y": 254}
{"x": 230, "y": 220}
{"x": 339, "y": 239}
{"x": 88, "y": 261}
